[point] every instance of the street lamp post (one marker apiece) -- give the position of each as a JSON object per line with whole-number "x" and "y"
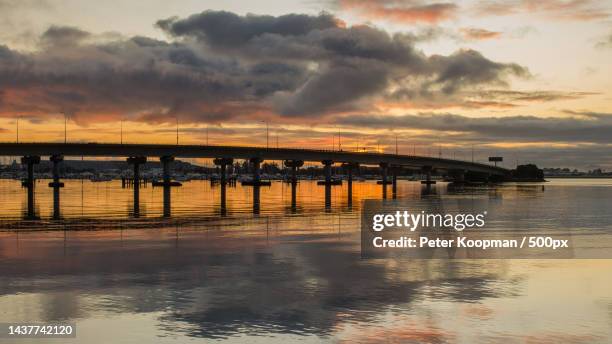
{"x": 396, "y": 150}
{"x": 267, "y": 134}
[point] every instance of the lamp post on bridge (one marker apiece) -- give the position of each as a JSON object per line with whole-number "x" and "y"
{"x": 267, "y": 134}
{"x": 18, "y": 128}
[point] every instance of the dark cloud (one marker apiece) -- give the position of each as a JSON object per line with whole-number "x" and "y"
{"x": 220, "y": 65}
{"x": 141, "y": 78}
{"x": 226, "y": 29}
{"x": 63, "y": 36}
{"x": 581, "y": 10}
{"x": 346, "y": 65}
{"x": 469, "y": 67}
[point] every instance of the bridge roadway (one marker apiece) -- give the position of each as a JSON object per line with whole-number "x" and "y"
{"x": 238, "y": 152}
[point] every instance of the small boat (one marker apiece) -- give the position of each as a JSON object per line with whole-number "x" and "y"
{"x": 333, "y": 181}
{"x": 250, "y": 182}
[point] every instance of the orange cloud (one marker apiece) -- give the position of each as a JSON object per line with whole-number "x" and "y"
{"x": 581, "y": 10}
{"x": 476, "y": 34}
{"x": 402, "y": 11}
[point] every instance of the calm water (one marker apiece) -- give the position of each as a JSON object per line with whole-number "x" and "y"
{"x": 288, "y": 274}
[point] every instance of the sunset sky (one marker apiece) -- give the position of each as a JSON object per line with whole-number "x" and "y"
{"x": 528, "y": 80}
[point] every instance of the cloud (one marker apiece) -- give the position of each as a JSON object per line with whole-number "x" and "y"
{"x": 583, "y": 127}
{"x": 532, "y": 96}
{"x": 139, "y": 78}
{"x": 63, "y": 36}
{"x": 401, "y": 11}
{"x": 606, "y": 42}
{"x": 572, "y": 10}
{"x": 221, "y": 66}
{"x": 476, "y": 34}
{"x": 226, "y": 29}
{"x": 346, "y": 65}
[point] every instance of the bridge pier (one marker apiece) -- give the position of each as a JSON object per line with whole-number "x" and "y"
{"x": 256, "y": 164}
{"x": 56, "y": 185}
{"x": 167, "y": 183}
{"x": 294, "y": 165}
{"x": 384, "y": 169}
{"x": 222, "y": 163}
{"x": 427, "y": 181}
{"x": 349, "y": 172}
{"x": 327, "y": 182}
{"x": 56, "y": 160}
{"x": 30, "y": 161}
{"x": 458, "y": 176}
{"x": 136, "y": 161}
{"x": 394, "y": 170}
{"x": 327, "y": 168}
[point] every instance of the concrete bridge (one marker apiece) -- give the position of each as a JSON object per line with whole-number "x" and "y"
{"x": 223, "y": 156}
{"x": 237, "y": 152}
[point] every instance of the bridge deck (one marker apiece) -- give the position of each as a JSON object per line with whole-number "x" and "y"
{"x": 238, "y": 152}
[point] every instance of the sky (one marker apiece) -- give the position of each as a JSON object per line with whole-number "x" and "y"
{"x": 527, "y": 80}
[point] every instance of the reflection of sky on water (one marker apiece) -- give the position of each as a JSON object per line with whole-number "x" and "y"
{"x": 295, "y": 278}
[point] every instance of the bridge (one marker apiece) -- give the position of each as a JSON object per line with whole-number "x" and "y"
{"x": 223, "y": 156}
{"x": 238, "y": 152}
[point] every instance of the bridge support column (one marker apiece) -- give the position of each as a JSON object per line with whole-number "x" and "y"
{"x": 30, "y": 161}
{"x": 256, "y": 165}
{"x": 328, "y": 183}
{"x": 384, "y": 170}
{"x": 394, "y": 170}
{"x": 294, "y": 165}
{"x": 223, "y": 163}
{"x": 328, "y": 170}
{"x": 349, "y": 172}
{"x": 56, "y": 185}
{"x": 166, "y": 162}
{"x": 457, "y": 176}
{"x": 428, "y": 181}
{"x": 56, "y": 160}
{"x": 136, "y": 161}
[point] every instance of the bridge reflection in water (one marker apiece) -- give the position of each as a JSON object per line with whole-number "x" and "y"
{"x": 108, "y": 200}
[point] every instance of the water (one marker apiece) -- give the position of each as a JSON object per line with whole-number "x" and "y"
{"x": 287, "y": 274}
